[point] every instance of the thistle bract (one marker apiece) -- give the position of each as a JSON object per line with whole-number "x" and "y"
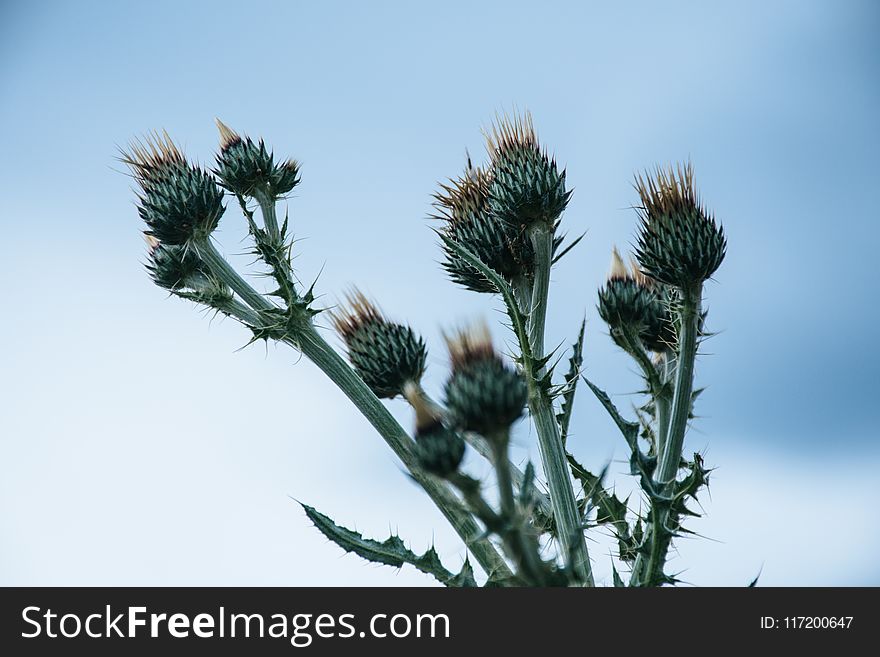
{"x": 244, "y": 167}
{"x": 679, "y": 242}
{"x": 385, "y": 354}
{"x": 483, "y": 394}
{"x": 526, "y": 186}
{"x": 178, "y": 201}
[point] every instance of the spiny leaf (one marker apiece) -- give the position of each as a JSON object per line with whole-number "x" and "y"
{"x": 630, "y": 430}
{"x": 391, "y": 552}
{"x": 465, "y": 577}
{"x": 571, "y": 379}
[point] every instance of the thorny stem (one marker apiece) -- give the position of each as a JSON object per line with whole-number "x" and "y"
{"x": 524, "y": 546}
{"x": 270, "y": 220}
{"x": 659, "y": 534}
{"x": 325, "y": 357}
{"x": 568, "y": 522}
{"x": 334, "y": 366}
{"x": 225, "y": 273}
{"x": 662, "y": 402}
{"x": 684, "y": 384}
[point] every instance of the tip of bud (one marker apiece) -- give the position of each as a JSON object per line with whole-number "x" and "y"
{"x": 155, "y": 150}
{"x": 228, "y": 136}
{"x": 511, "y": 131}
{"x": 357, "y": 311}
{"x": 638, "y": 275}
{"x": 427, "y": 416}
{"x": 618, "y": 269}
{"x": 668, "y": 189}
{"x": 152, "y": 242}
{"x": 470, "y": 344}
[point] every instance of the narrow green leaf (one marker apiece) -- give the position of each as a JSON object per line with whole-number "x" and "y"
{"x": 571, "y": 379}
{"x": 630, "y": 430}
{"x": 391, "y": 552}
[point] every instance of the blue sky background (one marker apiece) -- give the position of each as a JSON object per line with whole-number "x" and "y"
{"x": 137, "y": 446}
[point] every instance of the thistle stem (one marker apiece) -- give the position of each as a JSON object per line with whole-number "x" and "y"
{"x": 332, "y": 364}
{"x": 221, "y": 268}
{"x": 522, "y": 545}
{"x": 684, "y": 385}
{"x": 662, "y": 403}
{"x": 565, "y": 513}
{"x": 267, "y": 208}
{"x": 649, "y": 571}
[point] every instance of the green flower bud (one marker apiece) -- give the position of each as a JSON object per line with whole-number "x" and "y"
{"x": 526, "y": 185}
{"x": 483, "y": 394}
{"x": 463, "y": 205}
{"x": 178, "y": 269}
{"x": 244, "y": 167}
{"x": 629, "y": 300}
{"x": 386, "y": 355}
{"x": 178, "y": 201}
{"x": 438, "y": 449}
{"x": 679, "y": 242}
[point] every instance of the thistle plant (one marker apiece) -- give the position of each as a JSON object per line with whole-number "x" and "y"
{"x": 499, "y": 231}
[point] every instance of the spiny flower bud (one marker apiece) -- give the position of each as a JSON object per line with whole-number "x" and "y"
{"x": 679, "y": 242}
{"x": 179, "y": 269}
{"x": 386, "y": 355}
{"x": 179, "y": 202}
{"x": 463, "y": 204}
{"x": 630, "y": 300}
{"x": 244, "y": 167}
{"x": 526, "y": 187}
{"x": 483, "y": 394}
{"x": 439, "y": 449}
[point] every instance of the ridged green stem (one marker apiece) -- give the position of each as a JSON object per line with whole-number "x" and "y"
{"x": 565, "y": 513}
{"x": 684, "y": 384}
{"x": 334, "y": 366}
{"x": 648, "y": 569}
{"x": 340, "y": 372}
{"x": 662, "y": 403}
{"x": 221, "y": 268}
{"x": 523, "y": 546}
{"x": 267, "y": 208}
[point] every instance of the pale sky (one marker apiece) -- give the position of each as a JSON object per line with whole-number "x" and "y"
{"x": 138, "y": 446}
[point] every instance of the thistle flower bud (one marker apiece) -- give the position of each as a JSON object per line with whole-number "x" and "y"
{"x": 483, "y": 394}
{"x": 463, "y": 205}
{"x": 386, "y": 355}
{"x": 679, "y": 242}
{"x": 244, "y": 167}
{"x": 631, "y": 300}
{"x": 526, "y": 185}
{"x": 178, "y": 269}
{"x": 179, "y": 202}
{"x": 439, "y": 449}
